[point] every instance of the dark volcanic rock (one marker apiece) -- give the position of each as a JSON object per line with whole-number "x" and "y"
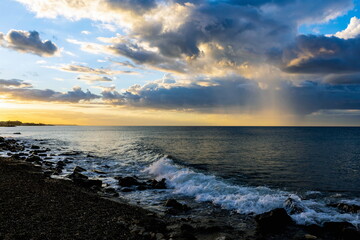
{"x": 273, "y": 220}
{"x": 158, "y": 184}
{"x": 175, "y": 206}
{"x": 337, "y": 226}
{"x": 348, "y": 208}
{"x": 79, "y": 169}
{"x": 35, "y": 147}
{"x": 33, "y": 158}
{"x": 128, "y": 181}
{"x": 77, "y": 175}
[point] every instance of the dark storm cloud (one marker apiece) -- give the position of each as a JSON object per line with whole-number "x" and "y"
{"x": 168, "y": 94}
{"x": 142, "y": 56}
{"x": 311, "y": 97}
{"x": 321, "y": 54}
{"x": 14, "y": 83}
{"x": 341, "y": 79}
{"x": 28, "y": 42}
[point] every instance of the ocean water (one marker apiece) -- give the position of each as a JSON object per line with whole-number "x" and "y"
{"x": 249, "y": 170}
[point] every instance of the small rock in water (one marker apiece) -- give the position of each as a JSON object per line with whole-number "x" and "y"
{"x": 79, "y": 169}
{"x": 128, "y": 181}
{"x": 35, "y": 147}
{"x": 348, "y": 208}
{"x": 293, "y": 206}
{"x": 273, "y": 220}
{"x": 17, "y": 133}
{"x": 158, "y": 184}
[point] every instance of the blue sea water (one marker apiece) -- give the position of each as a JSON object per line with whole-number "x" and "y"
{"x": 249, "y": 170}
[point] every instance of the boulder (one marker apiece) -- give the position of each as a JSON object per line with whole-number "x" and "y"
{"x": 273, "y": 220}
{"x": 79, "y": 169}
{"x": 128, "y": 181}
{"x": 176, "y": 206}
{"x": 35, "y": 147}
{"x": 2, "y": 139}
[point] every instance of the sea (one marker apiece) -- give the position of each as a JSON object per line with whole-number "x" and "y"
{"x": 244, "y": 170}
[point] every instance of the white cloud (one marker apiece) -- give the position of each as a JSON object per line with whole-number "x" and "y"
{"x": 352, "y": 30}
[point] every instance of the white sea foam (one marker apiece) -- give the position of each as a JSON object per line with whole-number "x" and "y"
{"x": 243, "y": 199}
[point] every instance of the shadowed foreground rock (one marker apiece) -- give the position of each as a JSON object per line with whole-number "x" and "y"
{"x": 35, "y": 207}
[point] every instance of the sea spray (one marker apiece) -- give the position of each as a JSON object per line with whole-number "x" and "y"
{"x": 242, "y": 199}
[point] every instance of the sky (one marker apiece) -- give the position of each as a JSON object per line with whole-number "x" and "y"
{"x": 180, "y": 62}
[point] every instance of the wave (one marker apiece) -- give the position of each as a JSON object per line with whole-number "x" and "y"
{"x": 243, "y": 199}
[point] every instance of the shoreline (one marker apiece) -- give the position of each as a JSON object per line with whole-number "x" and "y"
{"x": 35, "y": 206}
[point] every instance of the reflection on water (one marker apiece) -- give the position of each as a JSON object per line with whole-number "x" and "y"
{"x": 294, "y": 158}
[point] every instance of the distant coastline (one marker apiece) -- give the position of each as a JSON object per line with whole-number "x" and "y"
{"x": 18, "y": 123}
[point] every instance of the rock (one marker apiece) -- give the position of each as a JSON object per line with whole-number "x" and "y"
{"x": 89, "y": 183}
{"x": 348, "y": 208}
{"x": 17, "y": 133}
{"x": 350, "y": 233}
{"x": 175, "y": 205}
{"x": 33, "y": 158}
{"x": 35, "y": 147}
{"x": 309, "y": 236}
{"x": 293, "y": 206}
{"x": 127, "y": 189}
{"x": 158, "y": 184}
{"x": 2, "y": 139}
{"x": 337, "y": 226}
{"x": 60, "y": 164}
{"x": 98, "y": 171}
{"x": 128, "y": 181}
{"x": 142, "y": 188}
{"x": 79, "y": 169}
{"x": 77, "y": 175}
{"x": 70, "y": 153}
{"x": 273, "y": 220}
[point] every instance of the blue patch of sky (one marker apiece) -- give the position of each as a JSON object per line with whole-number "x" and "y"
{"x": 14, "y": 15}
{"x": 332, "y": 26}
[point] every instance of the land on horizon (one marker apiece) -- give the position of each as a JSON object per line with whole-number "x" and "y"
{"x": 19, "y": 123}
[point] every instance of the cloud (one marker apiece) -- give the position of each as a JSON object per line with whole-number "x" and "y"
{"x": 341, "y": 79}
{"x": 311, "y": 97}
{"x": 168, "y": 93}
{"x": 20, "y": 90}
{"x": 93, "y": 78}
{"x": 14, "y": 83}
{"x": 28, "y": 42}
{"x": 195, "y": 36}
{"x": 352, "y": 30}
{"x": 88, "y": 70}
{"x": 320, "y": 54}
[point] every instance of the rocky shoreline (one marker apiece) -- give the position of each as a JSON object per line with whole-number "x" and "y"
{"x": 35, "y": 206}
